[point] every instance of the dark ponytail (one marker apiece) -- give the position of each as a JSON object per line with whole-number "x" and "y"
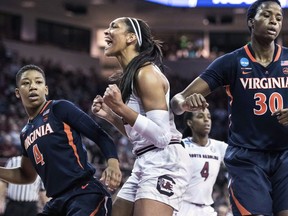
{"x": 149, "y": 53}
{"x": 187, "y": 132}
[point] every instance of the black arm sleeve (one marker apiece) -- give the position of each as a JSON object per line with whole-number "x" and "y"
{"x": 84, "y": 124}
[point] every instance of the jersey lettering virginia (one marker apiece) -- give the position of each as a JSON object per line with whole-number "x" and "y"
{"x": 254, "y": 93}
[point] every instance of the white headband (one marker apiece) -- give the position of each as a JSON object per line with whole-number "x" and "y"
{"x": 138, "y": 33}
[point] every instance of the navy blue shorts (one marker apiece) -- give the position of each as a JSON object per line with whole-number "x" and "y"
{"x": 88, "y": 198}
{"x": 258, "y": 181}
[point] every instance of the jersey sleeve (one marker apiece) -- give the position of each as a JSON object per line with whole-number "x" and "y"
{"x": 219, "y": 71}
{"x": 80, "y": 121}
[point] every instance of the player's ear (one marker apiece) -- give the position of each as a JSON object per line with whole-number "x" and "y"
{"x": 17, "y": 93}
{"x": 189, "y": 123}
{"x": 46, "y": 90}
{"x": 131, "y": 37}
{"x": 251, "y": 23}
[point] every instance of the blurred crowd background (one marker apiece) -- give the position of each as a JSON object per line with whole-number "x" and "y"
{"x": 66, "y": 42}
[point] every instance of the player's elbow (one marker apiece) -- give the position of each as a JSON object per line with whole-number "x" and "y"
{"x": 175, "y": 105}
{"x": 28, "y": 178}
{"x": 162, "y": 140}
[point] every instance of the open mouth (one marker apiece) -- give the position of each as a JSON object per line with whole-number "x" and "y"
{"x": 108, "y": 42}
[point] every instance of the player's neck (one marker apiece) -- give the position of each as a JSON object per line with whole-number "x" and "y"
{"x": 263, "y": 51}
{"x": 201, "y": 141}
{"x": 33, "y": 112}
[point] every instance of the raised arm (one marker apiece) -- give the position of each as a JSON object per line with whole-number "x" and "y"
{"x": 151, "y": 87}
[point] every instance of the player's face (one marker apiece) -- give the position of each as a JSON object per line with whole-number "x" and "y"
{"x": 267, "y": 22}
{"x": 32, "y": 89}
{"x": 116, "y": 38}
{"x": 201, "y": 122}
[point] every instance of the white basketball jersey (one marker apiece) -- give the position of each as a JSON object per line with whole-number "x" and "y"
{"x": 135, "y": 138}
{"x": 206, "y": 162}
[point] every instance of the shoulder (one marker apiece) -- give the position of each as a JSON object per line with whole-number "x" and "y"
{"x": 62, "y": 108}
{"x": 284, "y": 50}
{"x": 149, "y": 71}
{"x": 62, "y": 104}
{"x": 187, "y": 142}
{"x": 150, "y": 76}
{"x": 218, "y": 142}
{"x": 226, "y": 62}
{"x": 220, "y": 145}
{"x": 231, "y": 55}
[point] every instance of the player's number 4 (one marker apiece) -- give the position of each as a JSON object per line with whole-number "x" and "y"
{"x": 205, "y": 171}
{"x": 38, "y": 157}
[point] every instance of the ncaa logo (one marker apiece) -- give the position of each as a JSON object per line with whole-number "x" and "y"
{"x": 244, "y": 62}
{"x": 165, "y": 185}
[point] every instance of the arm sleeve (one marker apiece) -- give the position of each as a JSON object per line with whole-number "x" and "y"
{"x": 155, "y": 127}
{"x": 84, "y": 124}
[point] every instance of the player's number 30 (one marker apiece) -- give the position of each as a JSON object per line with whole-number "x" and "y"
{"x": 274, "y": 103}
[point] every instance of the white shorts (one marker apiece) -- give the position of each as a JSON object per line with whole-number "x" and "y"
{"x": 190, "y": 209}
{"x": 160, "y": 174}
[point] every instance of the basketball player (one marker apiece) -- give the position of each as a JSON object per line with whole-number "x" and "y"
{"x": 255, "y": 77}
{"x": 139, "y": 109}
{"x": 207, "y": 156}
{"x": 52, "y": 147}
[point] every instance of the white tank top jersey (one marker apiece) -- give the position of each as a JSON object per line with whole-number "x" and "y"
{"x": 206, "y": 162}
{"x": 138, "y": 141}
